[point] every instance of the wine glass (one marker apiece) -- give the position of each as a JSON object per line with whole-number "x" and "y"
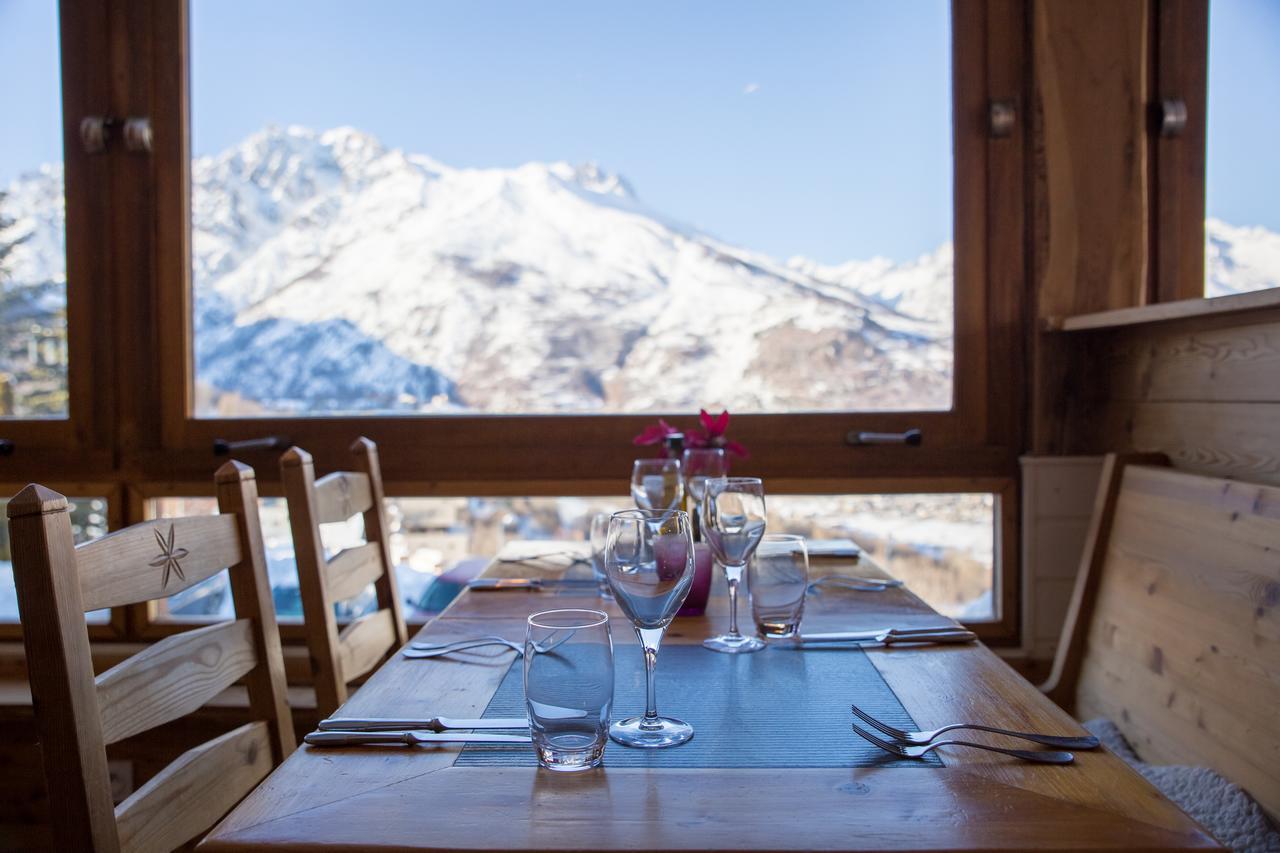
{"x": 657, "y": 484}
{"x": 699, "y": 465}
{"x": 649, "y": 564}
{"x": 598, "y": 535}
{"x": 733, "y": 523}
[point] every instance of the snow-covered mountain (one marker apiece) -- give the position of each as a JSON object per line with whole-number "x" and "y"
{"x": 332, "y": 273}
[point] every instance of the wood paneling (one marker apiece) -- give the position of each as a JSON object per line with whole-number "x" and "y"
{"x": 1179, "y": 647}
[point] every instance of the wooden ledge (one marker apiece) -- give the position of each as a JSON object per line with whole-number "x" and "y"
{"x": 1163, "y": 311}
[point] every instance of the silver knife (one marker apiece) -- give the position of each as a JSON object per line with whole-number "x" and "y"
{"x": 886, "y": 639}
{"x": 845, "y": 636}
{"x": 435, "y": 724}
{"x": 407, "y": 738}
{"x": 496, "y": 584}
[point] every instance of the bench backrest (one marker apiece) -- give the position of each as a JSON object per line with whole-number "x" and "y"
{"x": 1174, "y": 629}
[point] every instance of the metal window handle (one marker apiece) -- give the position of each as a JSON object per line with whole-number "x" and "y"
{"x": 911, "y": 438}
{"x": 6, "y": 447}
{"x": 223, "y": 447}
{"x": 1173, "y": 117}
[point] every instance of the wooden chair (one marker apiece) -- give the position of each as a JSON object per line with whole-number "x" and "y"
{"x": 337, "y": 659}
{"x": 78, "y": 715}
{"x": 1173, "y": 631}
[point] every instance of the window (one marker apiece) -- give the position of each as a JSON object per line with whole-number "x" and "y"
{"x": 33, "y": 282}
{"x": 1242, "y": 228}
{"x": 703, "y": 219}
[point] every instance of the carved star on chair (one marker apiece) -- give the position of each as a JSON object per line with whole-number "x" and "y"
{"x": 169, "y": 557}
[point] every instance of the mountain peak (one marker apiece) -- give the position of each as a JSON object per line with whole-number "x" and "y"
{"x": 594, "y": 179}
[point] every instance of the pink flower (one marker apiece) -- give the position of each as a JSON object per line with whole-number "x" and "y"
{"x": 712, "y": 434}
{"x": 655, "y": 433}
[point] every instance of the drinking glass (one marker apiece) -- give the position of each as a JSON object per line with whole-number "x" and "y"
{"x": 733, "y": 523}
{"x": 699, "y": 465}
{"x": 657, "y": 484}
{"x": 649, "y": 562}
{"x": 568, "y": 686}
{"x": 598, "y": 536}
{"x": 777, "y": 576}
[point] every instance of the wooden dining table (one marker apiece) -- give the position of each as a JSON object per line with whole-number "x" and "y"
{"x": 393, "y": 798}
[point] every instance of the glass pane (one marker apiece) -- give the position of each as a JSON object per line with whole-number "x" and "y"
{"x": 33, "y": 277}
{"x": 1242, "y": 229}
{"x": 88, "y": 521}
{"x": 404, "y": 207}
{"x": 941, "y": 545}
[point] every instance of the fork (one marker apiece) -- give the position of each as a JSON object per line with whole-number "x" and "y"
{"x": 432, "y": 650}
{"x": 904, "y": 751}
{"x": 922, "y": 738}
{"x": 854, "y": 583}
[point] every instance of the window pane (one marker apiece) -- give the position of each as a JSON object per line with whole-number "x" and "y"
{"x": 88, "y": 521}
{"x": 33, "y": 279}
{"x": 406, "y": 207}
{"x": 1242, "y": 229}
{"x": 941, "y": 545}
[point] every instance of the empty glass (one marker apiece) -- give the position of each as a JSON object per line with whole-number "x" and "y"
{"x": 777, "y": 576}
{"x": 733, "y": 522}
{"x": 649, "y": 562}
{"x": 568, "y": 686}
{"x": 699, "y": 465}
{"x": 598, "y": 536}
{"x": 657, "y": 484}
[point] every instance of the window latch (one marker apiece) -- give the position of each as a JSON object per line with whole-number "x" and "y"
{"x": 1173, "y": 117}
{"x": 911, "y": 438}
{"x": 96, "y": 131}
{"x": 1001, "y": 117}
{"x": 6, "y": 447}
{"x": 223, "y": 447}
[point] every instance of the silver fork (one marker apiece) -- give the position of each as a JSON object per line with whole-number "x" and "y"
{"x": 921, "y": 738}
{"x": 433, "y": 650}
{"x": 904, "y": 751}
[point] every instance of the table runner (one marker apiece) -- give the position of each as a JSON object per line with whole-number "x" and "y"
{"x": 773, "y": 709}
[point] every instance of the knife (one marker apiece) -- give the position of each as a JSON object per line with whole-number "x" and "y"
{"x": 885, "y": 638}
{"x": 845, "y": 636}
{"x": 496, "y": 584}
{"x": 435, "y": 724}
{"x": 407, "y": 738}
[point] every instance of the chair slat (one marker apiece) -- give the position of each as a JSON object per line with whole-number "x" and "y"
{"x": 353, "y": 569}
{"x": 173, "y": 677}
{"x": 195, "y": 791}
{"x": 341, "y": 495}
{"x": 155, "y": 559}
{"x": 364, "y": 642}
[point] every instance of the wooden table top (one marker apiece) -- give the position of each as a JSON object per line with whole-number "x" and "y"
{"x": 403, "y": 799}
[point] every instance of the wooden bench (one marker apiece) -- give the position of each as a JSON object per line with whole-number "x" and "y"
{"x": 1173, "y": 631}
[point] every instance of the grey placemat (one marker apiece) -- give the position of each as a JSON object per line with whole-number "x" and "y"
{"x": 776, "y": 708}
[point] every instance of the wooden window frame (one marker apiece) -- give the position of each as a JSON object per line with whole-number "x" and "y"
{"x": 131, "y": 366}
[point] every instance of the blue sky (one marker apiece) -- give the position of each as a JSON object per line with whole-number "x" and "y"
{"x": 819, "y": 129}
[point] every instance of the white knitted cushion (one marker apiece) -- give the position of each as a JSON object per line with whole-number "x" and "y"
{"x": 1221, "y": 807}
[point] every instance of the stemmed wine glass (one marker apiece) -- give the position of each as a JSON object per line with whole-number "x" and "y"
{"x": 649, "y": 564}
{"x": 699, "y": 465}
{"x": 733, "y": 522}
{"x": 657, "y": 484}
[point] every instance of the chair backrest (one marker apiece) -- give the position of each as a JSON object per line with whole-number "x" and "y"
{"x": 338, "y": 658}
{"x": 78, "y": 715}
{"x": 1174, "y": 629}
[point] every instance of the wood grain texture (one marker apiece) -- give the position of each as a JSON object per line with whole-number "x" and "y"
{"x": 60, "y": 670}
{"x": 127, "y": 566}
{"x": 364, "y": 643}
{"x": 341, "y": 495}
{"x": 194, "y": 791}
{"x": 353, "y": 569}
{"x": 1165, "y": 311}
{"x": 361, "y": 799}
{"x": 1092, "y": 78}
{"x": 1185, "y": 633}
{"x": 173, "y": 677}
